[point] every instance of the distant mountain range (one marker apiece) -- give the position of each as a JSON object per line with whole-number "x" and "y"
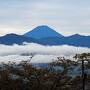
{"x": 46, "y": 36}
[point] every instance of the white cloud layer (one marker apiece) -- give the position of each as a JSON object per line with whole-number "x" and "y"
{"x": 43, "y": 54}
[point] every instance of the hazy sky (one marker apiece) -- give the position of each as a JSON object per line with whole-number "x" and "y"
{"x": 65, "y": 16}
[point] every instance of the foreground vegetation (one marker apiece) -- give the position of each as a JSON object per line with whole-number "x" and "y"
{"x": 57, "y": 76}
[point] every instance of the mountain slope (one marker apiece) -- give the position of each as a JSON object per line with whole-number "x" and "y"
{"x": 78, "y": 40}
{"x": 42, "y": 32}
{"x": 74, "y": 40}
{"x": 11, "y": 39}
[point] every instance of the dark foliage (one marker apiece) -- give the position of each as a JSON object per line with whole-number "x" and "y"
{"x": 24, "y": 76}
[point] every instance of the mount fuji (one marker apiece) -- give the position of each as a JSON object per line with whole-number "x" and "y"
{"x": 42, "y": 32}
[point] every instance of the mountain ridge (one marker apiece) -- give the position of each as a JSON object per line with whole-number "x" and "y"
{"x": 55, "y": 39}
{"x": 10, "y": 39}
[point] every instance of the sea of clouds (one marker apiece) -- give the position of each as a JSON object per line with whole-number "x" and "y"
{"x": 42, "y": 54}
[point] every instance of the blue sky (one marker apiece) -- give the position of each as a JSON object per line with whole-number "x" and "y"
{"x": 65, "y": 16}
